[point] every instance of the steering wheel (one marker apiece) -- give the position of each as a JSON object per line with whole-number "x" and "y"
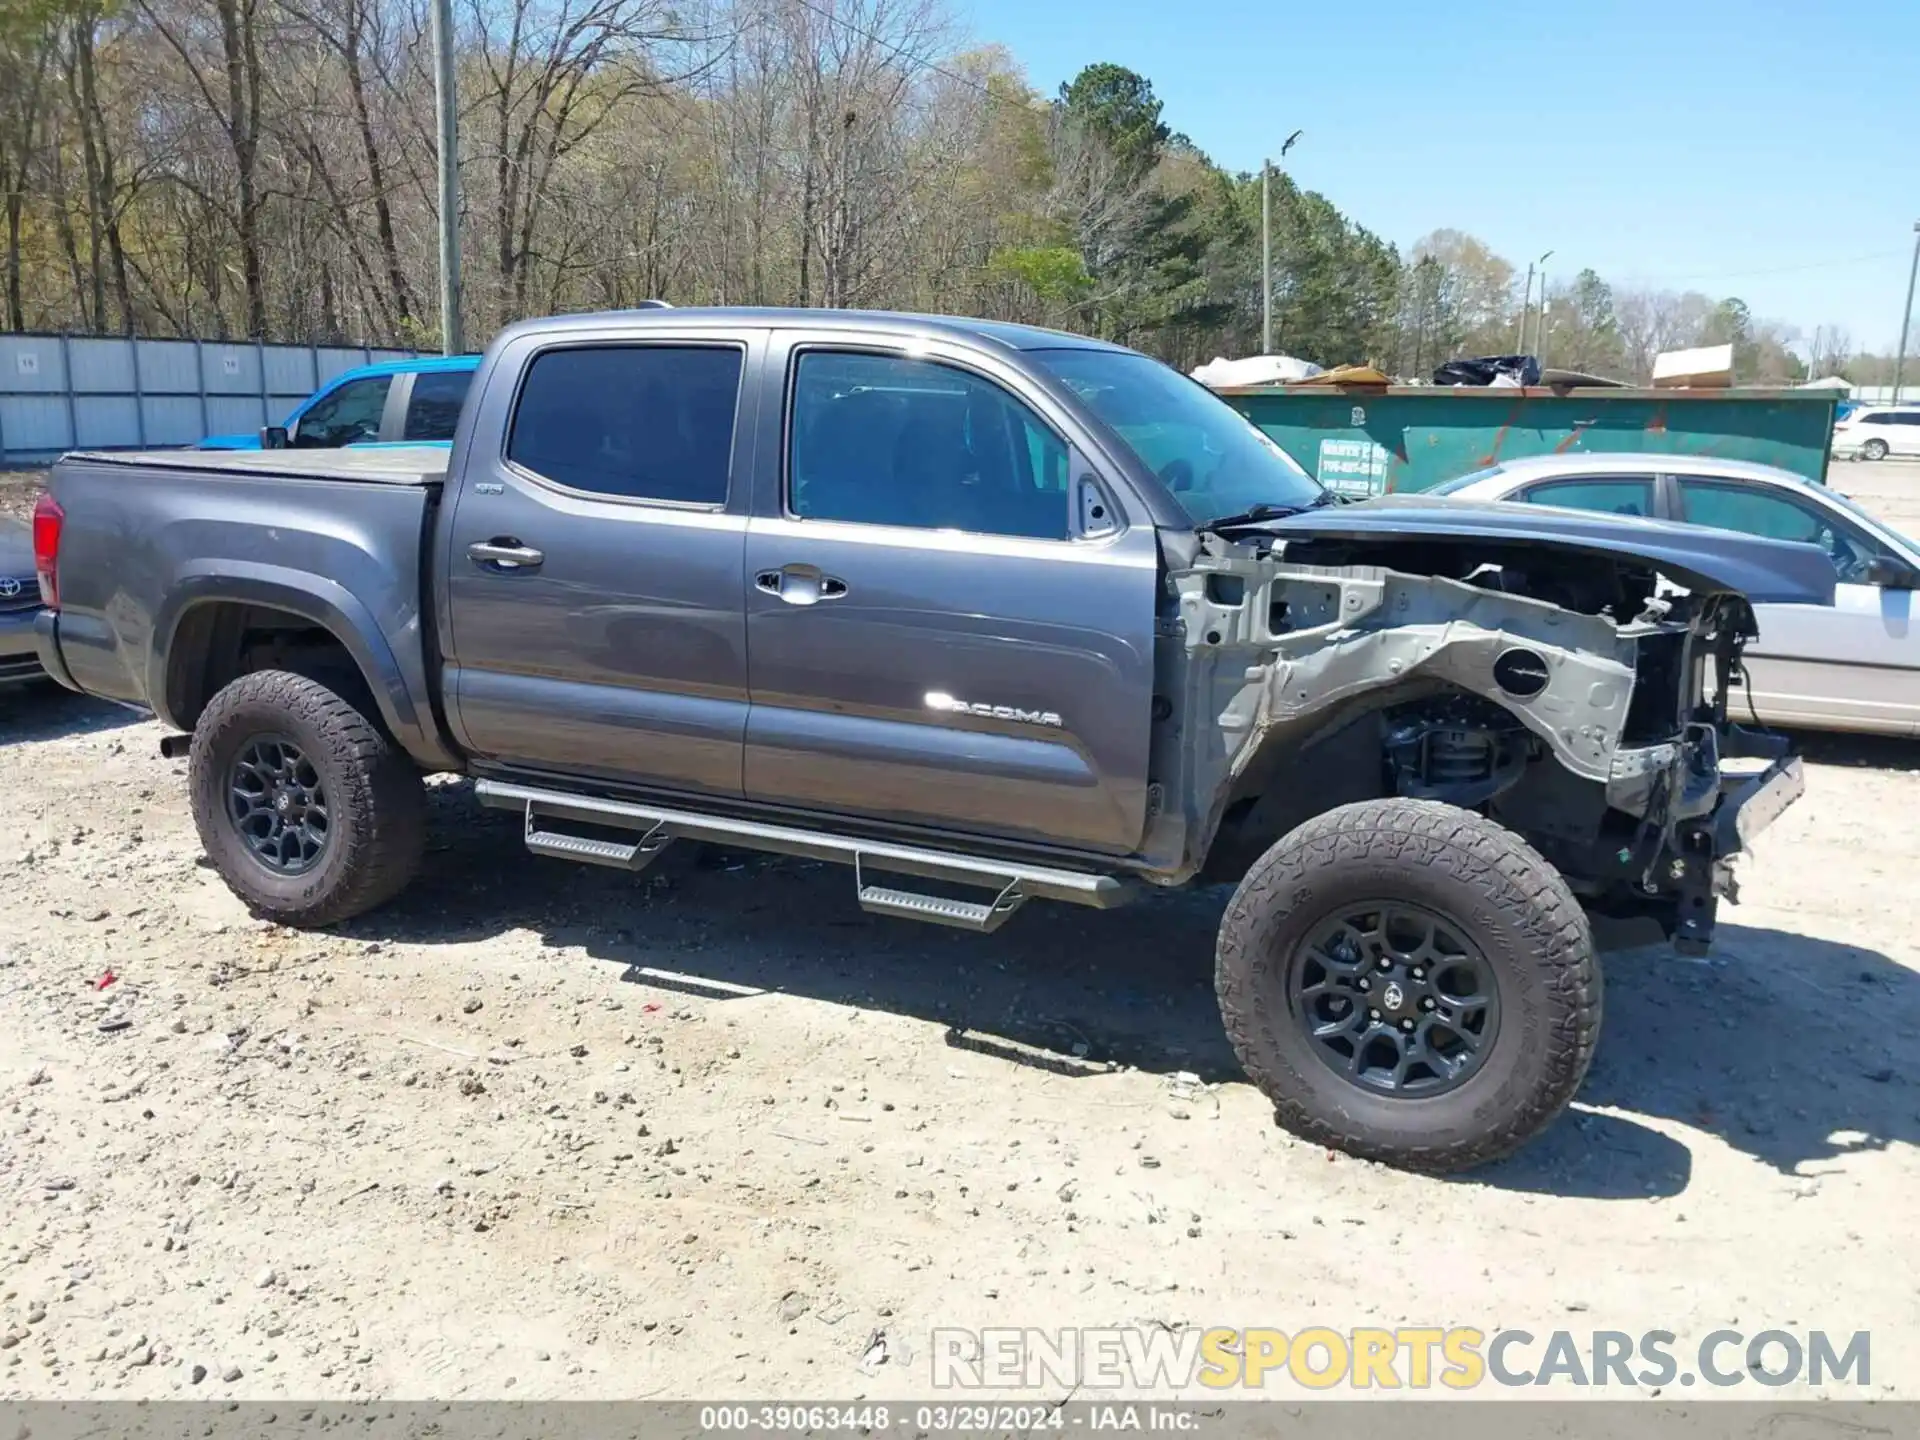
{"x": 1177, "y": 475}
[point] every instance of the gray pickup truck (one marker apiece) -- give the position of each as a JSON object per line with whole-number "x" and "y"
{"x": 990, "y": 614}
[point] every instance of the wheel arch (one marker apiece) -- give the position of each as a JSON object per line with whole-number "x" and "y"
{"x": 202, "y": 642}
{"x": 1307, "y": 767}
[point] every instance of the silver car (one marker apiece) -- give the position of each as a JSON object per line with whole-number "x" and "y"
{"x": 1854, "y": 665}
{"x": 19, "y": 604}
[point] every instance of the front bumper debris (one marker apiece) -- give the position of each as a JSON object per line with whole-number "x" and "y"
{"x": 1749, "y": 803}
{"x": 1746, "y": 803}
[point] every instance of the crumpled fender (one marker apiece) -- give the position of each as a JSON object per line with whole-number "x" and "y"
{"x": 1356, "y": 638}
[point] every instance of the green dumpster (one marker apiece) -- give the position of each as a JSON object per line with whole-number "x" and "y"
{"x": 1369, "y": 440}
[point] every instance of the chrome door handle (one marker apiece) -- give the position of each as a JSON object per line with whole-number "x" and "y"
{"x": 504, "y": 554}
{"x": 800, "y": 585}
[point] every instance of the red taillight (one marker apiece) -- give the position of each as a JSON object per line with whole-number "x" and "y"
{"x": 48, "y": 517}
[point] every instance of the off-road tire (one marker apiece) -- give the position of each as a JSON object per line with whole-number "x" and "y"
{"x": 1503, "y": 898}
{"x": 376, "y": 802}
{"x": 1874, "y": 449}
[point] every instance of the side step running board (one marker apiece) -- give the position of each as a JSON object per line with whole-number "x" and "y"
{"x": 562, "y": 846}
{"x": 1013, "y": 882}
{"x": 981, "y": 918}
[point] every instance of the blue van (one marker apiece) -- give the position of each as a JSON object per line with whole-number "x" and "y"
{"x": 397, "y": 402}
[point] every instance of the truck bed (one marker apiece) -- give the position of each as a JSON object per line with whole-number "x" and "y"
{"x": 157, "y": 544}
{"x": 376, "y": 464}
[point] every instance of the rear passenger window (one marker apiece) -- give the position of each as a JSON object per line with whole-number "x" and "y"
{"x": 887, "y": 440}
{"x": 433, "y": 409}
{"x": 1610, "y": 497}
{"x": 646, "y": 422}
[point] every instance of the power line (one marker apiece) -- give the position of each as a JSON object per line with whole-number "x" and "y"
{"x": 1775, "y": 270}
{"x": 919, "y": 61}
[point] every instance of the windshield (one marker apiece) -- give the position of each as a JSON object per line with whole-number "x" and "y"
{"x": 1210, "y": 456}
{"x": 1459, "y": 483}
{"x": 1866, "y": 517}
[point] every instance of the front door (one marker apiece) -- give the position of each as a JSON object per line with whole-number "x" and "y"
{"x": 594, "y": 570}
{"x": 935, "y": 634}
{"x": 1854, "y": 664}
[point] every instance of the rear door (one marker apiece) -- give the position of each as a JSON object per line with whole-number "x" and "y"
{"x": 947, "y": 625}
{"x": 1854, "y": 664}
{"x": 595, "y": 561}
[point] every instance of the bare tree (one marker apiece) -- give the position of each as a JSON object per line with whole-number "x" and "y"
{"x": 218, "y": 44}
{"x": 26, "y": 53}
{"x": 1652, "y": 321}
{"x": 555, "y": 72}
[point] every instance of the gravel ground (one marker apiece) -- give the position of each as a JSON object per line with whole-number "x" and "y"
{"x": 18, "y": 488}
{"x": 541, "y": 1131}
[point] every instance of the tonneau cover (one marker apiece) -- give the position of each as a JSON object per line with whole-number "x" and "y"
{"x": 376, "y": 464}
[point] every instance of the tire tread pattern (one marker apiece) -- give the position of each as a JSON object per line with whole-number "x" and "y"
{"x": 377, "y": 800}
{"x": 1510, "y": 874}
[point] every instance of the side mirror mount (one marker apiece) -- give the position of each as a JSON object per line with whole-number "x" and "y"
{"x": 1094, "y": 511}
{"x": 1891, "y": 574}
{"x": 273, "y": 437}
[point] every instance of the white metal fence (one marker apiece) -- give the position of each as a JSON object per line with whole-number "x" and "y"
{"x": 73, "y": 392}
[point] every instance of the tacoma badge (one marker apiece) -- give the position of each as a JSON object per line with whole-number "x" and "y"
{"x": 941, "y": 701}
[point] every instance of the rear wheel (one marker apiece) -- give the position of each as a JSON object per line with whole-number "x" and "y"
{"x": 309, "y": 813}
{"x": 1874, "y": 449}
{"x": 1409, "y": 982}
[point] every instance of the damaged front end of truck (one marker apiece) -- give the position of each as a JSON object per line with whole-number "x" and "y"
{"x": 1531, "y": 667}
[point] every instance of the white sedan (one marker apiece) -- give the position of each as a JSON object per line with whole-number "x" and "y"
{"x": 1853, "y": 665}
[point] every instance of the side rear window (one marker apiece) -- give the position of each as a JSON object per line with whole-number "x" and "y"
{"x": 643, "y": 422}
{"x": 433, "y": 410}
{"x": 1610, "y": 497}
{"x": 891, "y": 440}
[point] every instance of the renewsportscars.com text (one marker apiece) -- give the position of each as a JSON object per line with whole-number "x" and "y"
{"x": 1406, "y": 1357}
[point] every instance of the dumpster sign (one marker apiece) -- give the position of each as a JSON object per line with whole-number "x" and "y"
{"x": 1355, "y": 468}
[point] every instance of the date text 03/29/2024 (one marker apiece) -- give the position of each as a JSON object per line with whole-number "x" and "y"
{"x": 965, "y": 1419}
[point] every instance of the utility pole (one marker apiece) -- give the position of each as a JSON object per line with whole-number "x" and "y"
{"x": 1526, "y": 309}
{"x": 1266, "y": 245}
{"x": 1266, "y": 258}
{"x": 446, "y": 108}
{"x": 1540, "y": 325}
{"x": 1906, "y": 315}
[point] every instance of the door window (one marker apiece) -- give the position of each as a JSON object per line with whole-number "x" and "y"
{"x": 1610, "y": 497}
{"x": 1751, "y": 510}
{"x": 643, "y": 422}
{"x": 345, "y": 416}
{"x": 433, "y": 410}
{"x": 887, "y": 440}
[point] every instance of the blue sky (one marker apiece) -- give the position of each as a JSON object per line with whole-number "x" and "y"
{"x": 1739, "y": 147}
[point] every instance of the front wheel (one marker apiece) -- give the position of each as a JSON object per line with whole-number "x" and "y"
{"x": 1411, "y": 983}
{"x": 310, "y": 813}
{"x": 1875, "y": 449}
